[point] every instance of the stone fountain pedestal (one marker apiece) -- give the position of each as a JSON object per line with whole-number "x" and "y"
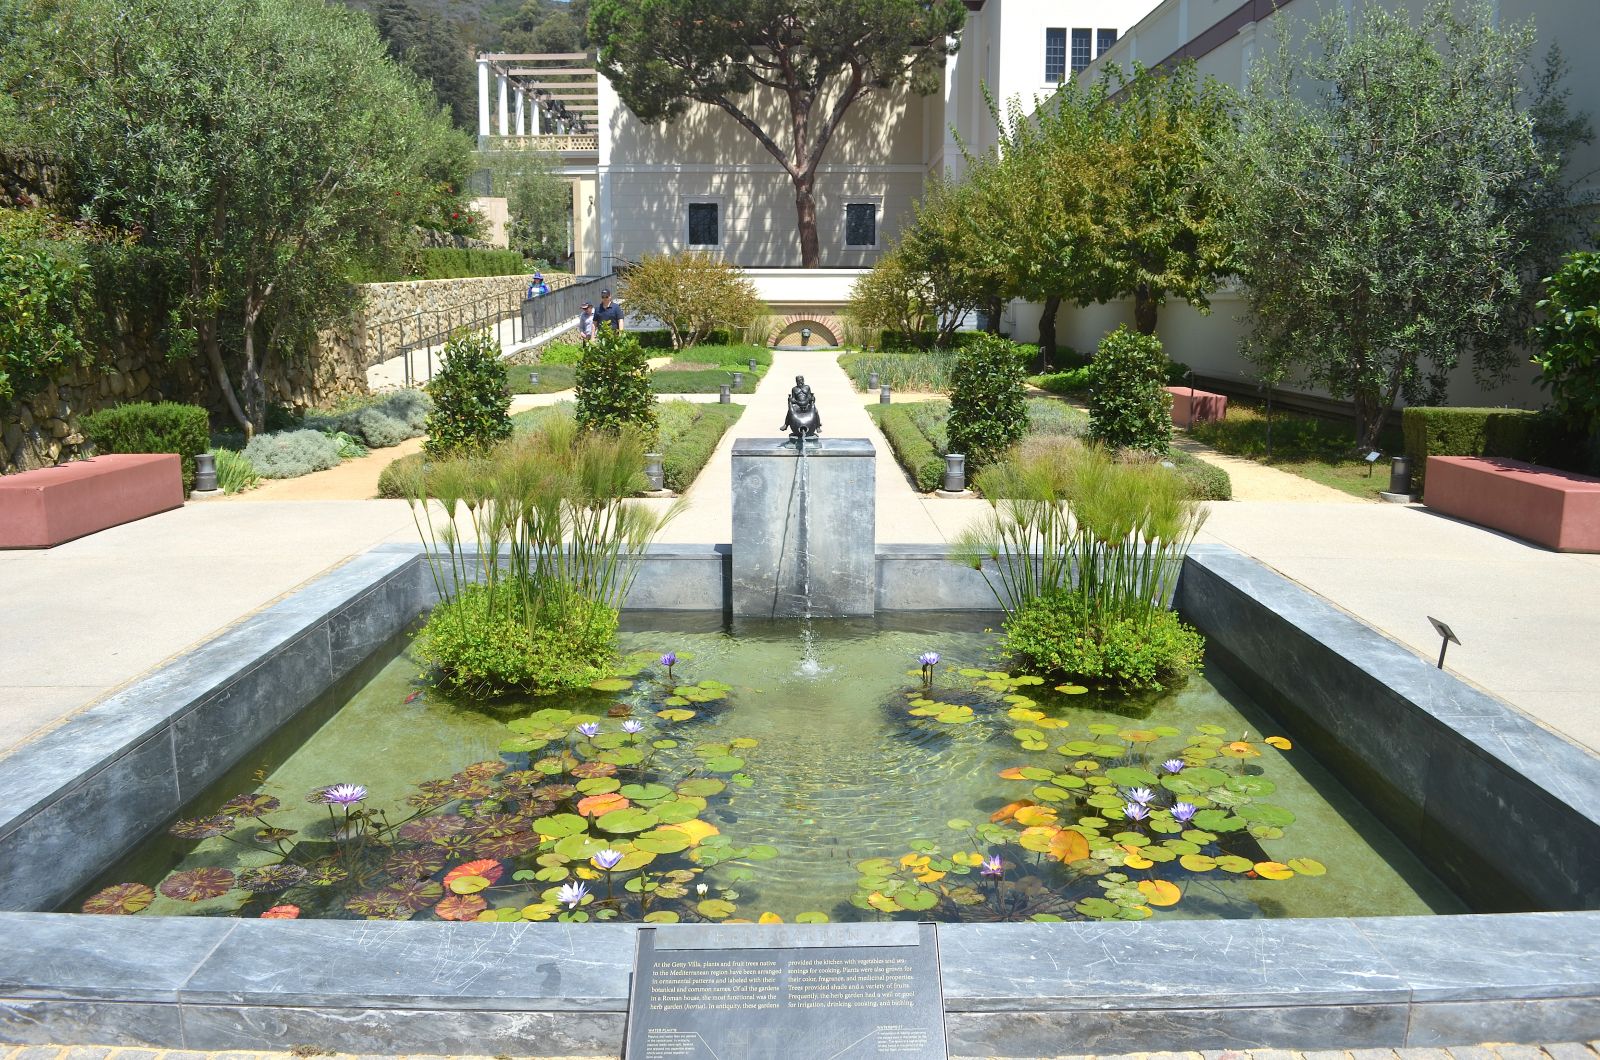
{"x": 803, "y": 533}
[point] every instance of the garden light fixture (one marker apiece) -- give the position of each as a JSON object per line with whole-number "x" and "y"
{"x": 883, "y": 394}
{"x": 723, "y": 394}
{"x": 655, "y": 475}
{"x": 1448, "y": 636}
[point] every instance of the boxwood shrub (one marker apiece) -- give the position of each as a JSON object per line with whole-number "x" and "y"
{"x": 1207, "y": 481}
{"x": 141, "y": 427}
{"x": 1537, "y": 437}
{"x": 684, "y": 456}
{"x": 911, "y": 447}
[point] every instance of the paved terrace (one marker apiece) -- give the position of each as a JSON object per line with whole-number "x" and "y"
{"x": 83, "y": 619}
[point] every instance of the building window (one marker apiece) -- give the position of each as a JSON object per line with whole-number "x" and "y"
{"x": 861, "y": 224}
{"x": 1055, "y": 56}
{"x": 703, "y": 225}
{"x": 1103, "y": 42}
{"x": 1080, "y": 50}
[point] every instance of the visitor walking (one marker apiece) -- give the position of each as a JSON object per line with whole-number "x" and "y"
{"x": 609, "y": 312}
{"x": 537, "y": 287}
{"x": 586, "y": 323}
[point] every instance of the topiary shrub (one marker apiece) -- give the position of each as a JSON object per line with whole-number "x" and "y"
{"x": 471, "y": 397}
{"x": 988, "y": 411}
{"x": 912, "y": 448}
{"x": 1129, "y": 407}
{"x": 612, "y": 385}
{"x": 290, "y": 454}
{"x": 1057, "y": 634}
{"x": 1207, "y": 482}
{"x": 688, "y": 451}
{"x": 140, "y": 427}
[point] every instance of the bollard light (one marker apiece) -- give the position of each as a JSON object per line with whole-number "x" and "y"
{"x": 883, "y": 394}
{"x": 654, "y": 474}
{"x": 1400, "y": 475}
{"x": 205, "y": 473}
{"x": 955, "y": 472}
{"x": 723, "y": 396}
{"x": 872, "y": 380}
{"x": 752, "y": 366}
{"x": 533, "y": 378}
{"x": 738, "y": 380}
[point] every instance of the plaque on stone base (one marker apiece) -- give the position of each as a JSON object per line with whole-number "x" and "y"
{"x": 841, "y": 992}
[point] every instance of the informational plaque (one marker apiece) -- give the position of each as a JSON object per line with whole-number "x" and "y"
{"x": 844, "y": 992}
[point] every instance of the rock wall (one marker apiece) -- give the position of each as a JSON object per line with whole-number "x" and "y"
{"x": 30, "y": 177}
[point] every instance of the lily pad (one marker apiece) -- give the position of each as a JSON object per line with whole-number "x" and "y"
{"x": 120, "y": 900}
{"x": 628, "y": 820}
{"x": 611, "y": 684}
{"x": 715, "y": 908}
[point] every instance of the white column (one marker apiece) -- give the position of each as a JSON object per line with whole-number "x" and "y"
{"x": 483, "y": 97}
{"x": 538, "y": 122}
{"x": 522, "y": 111}
{"x": 505, "y": 101}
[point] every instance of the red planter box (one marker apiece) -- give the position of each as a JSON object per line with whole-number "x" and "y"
{"x": 43, "y": 508}
{"x": 1556, "y": 509}
{"x": 1205, "y": 407}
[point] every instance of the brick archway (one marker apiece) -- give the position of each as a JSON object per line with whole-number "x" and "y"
{"x": 826, "y": 330}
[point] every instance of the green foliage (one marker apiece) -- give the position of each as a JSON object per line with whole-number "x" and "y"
{"x": 1129, "y": 407}
{"x": 1514, "y": 433}
{"x": 425, "y": 42}
{"x": 560, "y": 353}
{"x": 911, "y": 447}
{"x": 377, "y": 421}
{"x": 1569, "y": 341}
{"x": 1070, "y": 381}
{"x": 1376, "y": 305}
{"x": 613, "y": 385}
{"x": 692, "y": 294}
{"x": 1058, "y": 634}
{"x": 987, "y": 411}
{"x": 665, "y": 55}
{"x": 450, "y": 263}
{"x": 167, "y": 427}
{"x": 471, "y": 397}
{"x": 686, "y": 452}
{"x": 479, "y": 645}
{"x": 926, "y": 372}
{"x": 553, "y": 378}
{"x": 235, "y": 474}
{"x": 41, "y": 274}
{"x": 661, "y": 338}
{"x": 1207, "y": 482}
{"x": 538, "y": 202}
{"x": 264, "y": 151}
{"x": 404, "y": 477}
{"x": 290, "y": 454}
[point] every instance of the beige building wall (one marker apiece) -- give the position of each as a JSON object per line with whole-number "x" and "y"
{"x": 1210, "y": 343}
{"x": 498, "y": 216}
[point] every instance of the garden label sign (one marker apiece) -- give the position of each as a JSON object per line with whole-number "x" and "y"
{"x": 869, "y": 995}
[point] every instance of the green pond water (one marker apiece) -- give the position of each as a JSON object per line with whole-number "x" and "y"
{"x": 847, "y": 805}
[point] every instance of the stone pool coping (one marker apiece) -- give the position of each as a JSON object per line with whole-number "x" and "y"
{"x": 75, "y": 799}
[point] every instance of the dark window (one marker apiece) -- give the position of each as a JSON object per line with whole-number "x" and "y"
{"x": 1055, "y": 55}
{"x": 1080, "y": 49}
{"x": 861, "y": 224}
{"x": 1103, "y": 42}
{"x": 703, "y": 224}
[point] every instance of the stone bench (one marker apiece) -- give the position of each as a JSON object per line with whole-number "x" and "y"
{"x": 1556, "y": 509}
{"x": 1203, "y": 408}
{"x": 43, "y": 508}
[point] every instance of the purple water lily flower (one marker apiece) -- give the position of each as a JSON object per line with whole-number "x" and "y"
{"x": 572, "y": 894}
{"x": 993, "y": 866}
{"x": 632, "y": 727}
{"x": 607, "y": 859}
{"x": 343, "y": 794}
{"x": 1183, "y": 812}
{"x": 929, "y": 658}
{"x": 670, "y": 659}
{"x": 590, "y": 729}
{"x": 1135, "y": 812}
{"x": 1142, "y": 796}
{"x": 1173, "y": 765}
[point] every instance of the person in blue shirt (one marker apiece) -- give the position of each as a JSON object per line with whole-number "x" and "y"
{"x": 538, "y": 287}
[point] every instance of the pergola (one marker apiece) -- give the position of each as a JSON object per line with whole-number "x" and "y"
{"x": 538, "y": 94}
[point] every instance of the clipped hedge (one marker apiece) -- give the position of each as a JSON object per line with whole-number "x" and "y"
{"x": 911, "y": 447}
{"x": 1517, "y": 434}
{"x": 140, "y": 427}
{"x": 1208, "y": 482}
{"x": 450, "y": 263}
{"x": 923, "y": 340}
{"x": 661, "y": 338}
{"x": 1070, "y": 381}
{"x": 689, "y": 452}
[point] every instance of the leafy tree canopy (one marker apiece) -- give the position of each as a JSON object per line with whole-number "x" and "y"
{"x": 819, "y": 57}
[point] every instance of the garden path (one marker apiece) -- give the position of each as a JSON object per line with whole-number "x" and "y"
{"x": 1254, "y": 481}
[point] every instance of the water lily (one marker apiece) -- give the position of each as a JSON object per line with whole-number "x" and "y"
{"x": 1135, "y": 812}
{"x": 1183, "y": 811}
{"x": 632, "y": 727}
{"x": 607, "y": 859}
{"x": 668, "y": 661}
{"x": 572, "y": 895}
{"x": 343, "y": 794}
{"x": 928, "y": 659}
{"x": 700, "y": 888}
{"x": 1173, "y": 765}
{"x": 590, "y": 729}
{"x": 1141, "y": 795}
{"x": 993, "y": 866}
{"x": 282, "y": 912}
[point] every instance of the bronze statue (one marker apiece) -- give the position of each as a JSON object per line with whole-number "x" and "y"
{"x": 803, "y": 420}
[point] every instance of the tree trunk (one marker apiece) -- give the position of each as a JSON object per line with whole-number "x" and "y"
{"x": 1144, "y": 310}
{"x": 1047, "y": 332}
{"x": 805, "y": 210}
{"x": 250, "y": 380}
{"x": 207, "y": 330}
{"x": 992, "y": 324}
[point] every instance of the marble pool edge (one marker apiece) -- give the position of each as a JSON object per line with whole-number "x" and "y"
{"x": 1011, "y": 990}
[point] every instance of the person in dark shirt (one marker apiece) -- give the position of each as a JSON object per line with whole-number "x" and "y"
{"x": 608, "y": 312}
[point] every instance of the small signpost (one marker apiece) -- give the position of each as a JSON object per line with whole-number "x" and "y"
{"x": 786, "y": 997}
